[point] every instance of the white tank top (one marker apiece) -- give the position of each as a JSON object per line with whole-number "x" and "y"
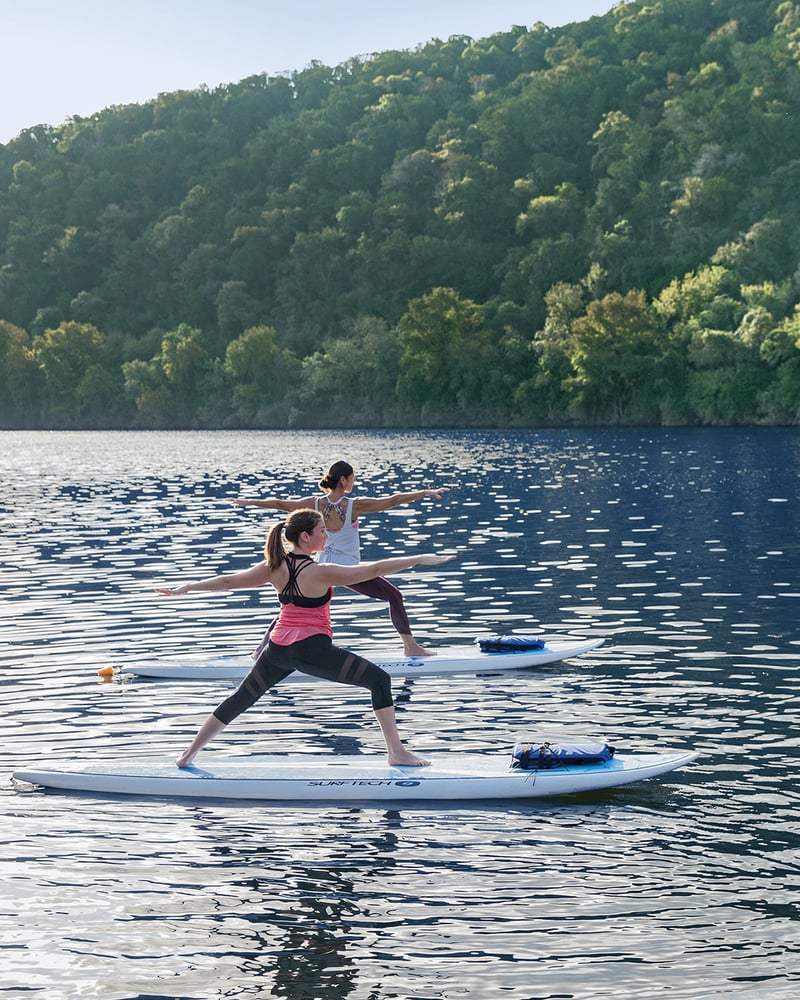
{"x": 343, "y": 546}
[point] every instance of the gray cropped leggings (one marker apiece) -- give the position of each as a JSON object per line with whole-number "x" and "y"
{"x": 316, "y": 655}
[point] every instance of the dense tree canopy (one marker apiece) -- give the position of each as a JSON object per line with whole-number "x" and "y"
{"x": 598, "y": 223}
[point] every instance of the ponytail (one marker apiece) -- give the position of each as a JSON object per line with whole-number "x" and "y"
{"x": 274, "y": 550}
{"x": 294, "y": 525}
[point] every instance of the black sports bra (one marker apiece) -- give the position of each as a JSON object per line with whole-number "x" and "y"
{"x": 291, "y": 592}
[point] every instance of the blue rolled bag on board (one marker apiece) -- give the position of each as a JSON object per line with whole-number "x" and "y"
{"x": 540, "y": 756}
{"x": 509, "y": 643}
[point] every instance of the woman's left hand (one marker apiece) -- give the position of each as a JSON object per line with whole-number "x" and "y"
{"x": 172, "y": 591}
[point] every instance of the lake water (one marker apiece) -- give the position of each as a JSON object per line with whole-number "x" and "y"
{"x": 680, "y": 548}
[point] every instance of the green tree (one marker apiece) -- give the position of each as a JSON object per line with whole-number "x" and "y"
{"x": 353, "y": 381}
{"x": 619, "y": 362}
{"x": 262, "y": 376}
{"x": 779, "y": 401}
{"x": 148, "y": 389}
{"x": 548, "y": 216}
{"x": 313, "y": 279}
{"x": 82, "y": 381}
{"x": 452, "y": 368}
{"x": 726, "y": 378}
{"x": 702, "y": 298}
{"x": 544, "y": 395}
{"x": 237, "y": 310}
{"x": 179, "y": 387}
{"x": 21, "y": 380}
{"x": 760, "y": 254}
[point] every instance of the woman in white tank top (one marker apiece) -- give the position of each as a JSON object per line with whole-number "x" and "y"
{"x": 341, "y": 514}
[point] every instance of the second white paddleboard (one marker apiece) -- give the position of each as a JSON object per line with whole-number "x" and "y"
{"x": 466, "y": 659}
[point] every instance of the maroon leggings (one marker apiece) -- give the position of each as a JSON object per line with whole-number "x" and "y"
{"x": 382, "y": 590}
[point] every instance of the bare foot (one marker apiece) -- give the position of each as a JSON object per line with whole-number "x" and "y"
{"x": 185, "y": 759}
{"x": 414, "y": 649}
{"x": 405, "y": 758}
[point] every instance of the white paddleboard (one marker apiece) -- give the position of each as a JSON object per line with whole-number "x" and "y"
{"x": 278, "y": 778}
{"x": 450, "y": 660}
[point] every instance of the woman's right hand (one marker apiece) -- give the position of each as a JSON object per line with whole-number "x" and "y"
{"x": 433, "y": 559}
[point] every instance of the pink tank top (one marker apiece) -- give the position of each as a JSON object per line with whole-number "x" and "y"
{"x": 300, "y": 617}
{"x": 296, "y": 623}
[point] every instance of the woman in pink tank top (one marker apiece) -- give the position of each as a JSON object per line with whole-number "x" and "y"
{"x": 301, "y": 638}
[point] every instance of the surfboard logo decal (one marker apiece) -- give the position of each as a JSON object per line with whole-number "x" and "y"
{"x": 355, "y": 782}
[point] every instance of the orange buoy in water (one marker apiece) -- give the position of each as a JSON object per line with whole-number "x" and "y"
{"x": 105, "y": 672}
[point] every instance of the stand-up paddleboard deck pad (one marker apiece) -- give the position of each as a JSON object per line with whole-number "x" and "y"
{"x": 278, "y": 778}
{"x": 467, "y": 659}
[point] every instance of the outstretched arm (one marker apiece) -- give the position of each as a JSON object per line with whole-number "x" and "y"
{"x": 366, "y": 505}
{"x": 331, "y": 574}
{"x": 274, "y": 503}
{"x": 255, "y": 576}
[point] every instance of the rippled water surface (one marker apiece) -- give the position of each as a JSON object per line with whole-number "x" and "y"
{"x": 680, "y": 549}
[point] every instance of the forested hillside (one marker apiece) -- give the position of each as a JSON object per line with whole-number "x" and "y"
{"x": 594, "y": 224}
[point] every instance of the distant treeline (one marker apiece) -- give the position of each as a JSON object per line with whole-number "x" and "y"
{"x": 594, "y": 224}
